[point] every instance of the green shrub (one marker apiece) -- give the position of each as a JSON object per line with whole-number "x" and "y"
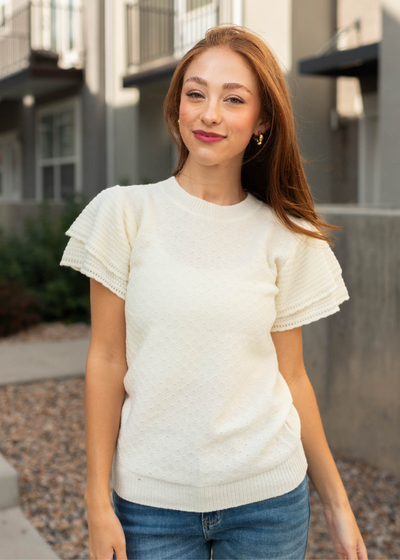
{"x": 19, "y": 308}
{"x": 30, "y": 267}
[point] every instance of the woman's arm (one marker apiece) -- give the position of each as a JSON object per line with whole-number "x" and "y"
{"x": 322, "y": 469}
{"x": 104, "y": 390}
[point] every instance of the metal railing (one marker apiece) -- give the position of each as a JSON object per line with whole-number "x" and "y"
{"x": 41, "y": 32}
{"x": 345, "y": 38}
{"x": 162, "y": 29}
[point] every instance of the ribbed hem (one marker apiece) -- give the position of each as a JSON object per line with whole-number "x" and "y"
{"x": 198, "y": 206}
{"x": 157, "y": 493}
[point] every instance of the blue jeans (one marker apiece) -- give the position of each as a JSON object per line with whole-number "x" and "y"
{"x": 275, "y": 528}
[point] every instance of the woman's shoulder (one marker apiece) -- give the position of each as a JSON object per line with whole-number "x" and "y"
{"x": 282, "y": 239}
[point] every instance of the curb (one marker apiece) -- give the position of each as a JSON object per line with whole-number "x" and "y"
{"x": 19, "y": 539}
{"x": 9, "y": 491}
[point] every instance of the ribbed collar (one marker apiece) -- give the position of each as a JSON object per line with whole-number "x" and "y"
{"x": 205, "y": 208}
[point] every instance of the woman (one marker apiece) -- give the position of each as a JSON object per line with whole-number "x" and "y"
{"x": 199, "y": 286}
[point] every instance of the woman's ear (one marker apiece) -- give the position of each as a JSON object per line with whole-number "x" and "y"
{"x": 262, "y": 126}
{"x": 265, "y": 126}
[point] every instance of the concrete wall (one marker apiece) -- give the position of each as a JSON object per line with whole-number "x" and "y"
{"x": 353, "y": 357}
{"x": 345, "y": 150}
{"x": 388, "y": 106}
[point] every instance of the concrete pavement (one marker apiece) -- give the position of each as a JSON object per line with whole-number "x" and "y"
{"x": 19, "y": 540}
{"x": 33, "y": 361}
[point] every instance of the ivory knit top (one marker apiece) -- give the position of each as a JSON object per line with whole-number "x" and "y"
{"x": 208, "y": 421}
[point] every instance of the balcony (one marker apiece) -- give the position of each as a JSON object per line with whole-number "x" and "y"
{"x": 159, "y": 32}
{"x": 41, "y": 49}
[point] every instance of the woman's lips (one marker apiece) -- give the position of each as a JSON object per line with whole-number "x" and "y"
{"x": 208, "y": 139}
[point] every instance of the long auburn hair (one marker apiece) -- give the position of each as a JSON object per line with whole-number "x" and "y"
{"x": 273, "y": 172}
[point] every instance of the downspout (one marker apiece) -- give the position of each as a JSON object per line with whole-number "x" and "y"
{"x": 109, "y": 88}
{"x": 237, "y": 12}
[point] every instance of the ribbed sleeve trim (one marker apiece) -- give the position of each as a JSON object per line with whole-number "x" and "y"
{"x": 90, "y": 263}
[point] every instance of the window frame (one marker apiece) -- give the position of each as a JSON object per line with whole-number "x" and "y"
{"x": 40, "y": 162}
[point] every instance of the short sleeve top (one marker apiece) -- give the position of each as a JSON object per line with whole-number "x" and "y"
{"x": 208, "y": 421}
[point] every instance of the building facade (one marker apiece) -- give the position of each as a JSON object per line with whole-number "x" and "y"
{"x": 82, "y": 85}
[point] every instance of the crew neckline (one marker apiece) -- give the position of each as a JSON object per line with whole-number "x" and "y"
{"x": 203, "y": 207}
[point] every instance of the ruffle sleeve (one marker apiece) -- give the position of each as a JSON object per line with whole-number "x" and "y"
{"x": 310, "y": 285}
{"x": 100, "y": 241}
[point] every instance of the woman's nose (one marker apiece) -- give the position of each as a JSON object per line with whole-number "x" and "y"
{"x": 211, "y": 114}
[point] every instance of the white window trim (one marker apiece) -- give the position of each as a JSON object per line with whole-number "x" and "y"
{"x": 76, "y": 103}
{"x": 237, "y": 12}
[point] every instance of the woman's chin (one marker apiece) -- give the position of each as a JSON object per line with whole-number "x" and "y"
{"x": 207, "y": 159}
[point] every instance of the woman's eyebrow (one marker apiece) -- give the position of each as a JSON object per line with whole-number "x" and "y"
{"x": 231, "y": 85}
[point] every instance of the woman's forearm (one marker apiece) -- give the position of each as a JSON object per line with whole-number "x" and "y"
{"x": 322, "y": 468}
{"x": 104, "y": 396}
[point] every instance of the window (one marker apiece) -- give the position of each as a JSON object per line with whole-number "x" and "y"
{"x": 58, "y": 161}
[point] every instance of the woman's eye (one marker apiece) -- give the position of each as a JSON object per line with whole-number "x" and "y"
{"x": 236, "y": 100}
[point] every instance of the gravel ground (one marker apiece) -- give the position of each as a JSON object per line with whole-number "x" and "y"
{"x": 42, "y": 436}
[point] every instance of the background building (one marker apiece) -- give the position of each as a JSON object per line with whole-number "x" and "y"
{"x": 82, "y": 85}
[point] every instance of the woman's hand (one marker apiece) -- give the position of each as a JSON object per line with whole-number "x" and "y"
{"x": 105, "y": 534}
{"x": 344, "y": 532}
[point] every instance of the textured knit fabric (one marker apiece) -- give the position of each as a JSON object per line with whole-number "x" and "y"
{"x": 208, "y": 420}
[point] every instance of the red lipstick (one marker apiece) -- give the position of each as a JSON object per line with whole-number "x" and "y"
{"x": 205, "y": 136}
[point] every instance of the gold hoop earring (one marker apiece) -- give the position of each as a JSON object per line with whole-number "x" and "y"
{"x": 259, "y": 140}
{"x": 178, "y": 121}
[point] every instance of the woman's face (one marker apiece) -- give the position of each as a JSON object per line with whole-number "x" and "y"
{"x": 219, "y": 95}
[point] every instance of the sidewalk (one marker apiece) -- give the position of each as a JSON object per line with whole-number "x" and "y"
{"x": 33, "y": 361}
{"x": 19, "y": 540}
{"x": 21, "y": 363}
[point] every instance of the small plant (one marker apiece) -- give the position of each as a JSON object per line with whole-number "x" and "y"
{"x": 30, "y": 271}
{"x": 124, "y": 181}
{"x": 19, "y": 308}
